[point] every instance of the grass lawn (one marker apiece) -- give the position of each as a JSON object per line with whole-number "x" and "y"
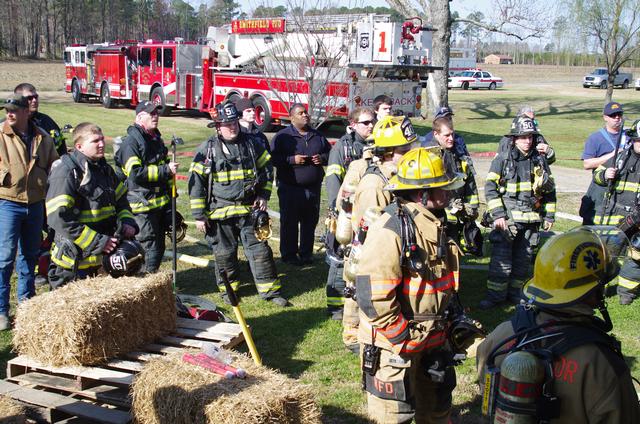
{"x": 302, "y": 341}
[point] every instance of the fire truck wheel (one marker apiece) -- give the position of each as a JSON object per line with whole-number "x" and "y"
{"x": 75, "y": 92}
{"x": 263, "y": 114}
{"x": 157, "y": 97}
{"x": 105, "y": 96}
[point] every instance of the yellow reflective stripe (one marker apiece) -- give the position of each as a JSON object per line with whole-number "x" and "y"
{"x": 152, "y": 173}
{"x": 494, "y": 204}
{"x": 229, "y": 211}
{"x": 627, "y": 283}
{"x": 121, "y": 189}
{"x": 335, "y": 169}
{"x": 131, "y": 162}
{"x": 627, "y": 186}
{"x": 197, "y": 203}
{"x": 64, "y": 261}
{"x": 268, "y": 186}
{"x": 473, "y": 199}
{"x": 518, "y": 187}
{"x": 234, "y": 285}
{"x": 609, "y": 220}
{"x": 520, "y": 216}
{"x": 90, "y": 262}
{"x": 550, "y": 207}
{"x": 268, "y": 287}
{"x": 236, "y": 174}
{"x": 85, "y": 238}
{"x": 451, "y": 217}
{"x": 61, "y": 201}
{"x": 496, "y": 286}
{"x": 335, "y": 301}
{"x": 154, "y": 203}
{"x": 96, "y": 215}
{"x": 125, "y": 213}
{"x": 492, "y": 176}
{"x": 263, "y": 159}
{"x": 197, "y": 167}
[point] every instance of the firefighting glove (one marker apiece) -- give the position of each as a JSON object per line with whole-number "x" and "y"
{"x": 470, "y": 211}
{"x": 456, "y": 206}
{"x": 630, "y": 223}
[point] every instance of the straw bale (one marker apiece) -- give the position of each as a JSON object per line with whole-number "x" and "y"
{"x": 90, "y": 321}
{"x": 11, "y": 412}
{"x": 169, "y": 390}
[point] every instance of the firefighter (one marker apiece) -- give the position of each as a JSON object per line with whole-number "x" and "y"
{"x": 582, "y": 365}
{"x": 539, "y": 142}
{"x": 143, "y": 158}
{"x": 622, "y": 176}
{"x": 393, "y": 137}
{"x": 521, "y": 197}
{"x": 463, "y": 203}
{"x": 86, "y": 206}
{"x": 403, "y": 295}
{"x": 349, "y": 148}
{"x": 460, "y": 146}
{"x": 247, "y": 112}
{"x": 230, "y": 177}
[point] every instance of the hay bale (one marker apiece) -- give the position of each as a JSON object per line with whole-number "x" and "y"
{"x": 169, "y": 390}
{"x": 93, "y": 320}
{"x": 11, "y": 412}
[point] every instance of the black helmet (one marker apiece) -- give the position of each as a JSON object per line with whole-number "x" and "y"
{"x": 225, "y": 112}
{"x": 633, "y": 133}
{"x": 522, "y": 125}
{"x": 126, "y": 259}
{"x": 261, "y": 224}
{"x": 181, "y": 226}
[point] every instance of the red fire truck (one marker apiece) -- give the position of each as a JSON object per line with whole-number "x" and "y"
{"x": 329, "y": 63}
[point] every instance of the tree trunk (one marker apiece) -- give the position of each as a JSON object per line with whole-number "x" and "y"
{"x": 610, "y": 80}
{"x": 440, "y": 12}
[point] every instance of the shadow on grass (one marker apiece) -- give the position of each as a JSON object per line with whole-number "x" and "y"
{"x": 279, "y": 334}
{"x": 334, "y": 415}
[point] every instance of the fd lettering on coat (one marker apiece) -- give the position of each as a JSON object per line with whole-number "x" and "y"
{"x": 564, "y": 369}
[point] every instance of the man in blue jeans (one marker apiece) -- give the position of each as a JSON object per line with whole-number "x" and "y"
{"x": 299, "y": 153}
{"x": 26, "y": 155}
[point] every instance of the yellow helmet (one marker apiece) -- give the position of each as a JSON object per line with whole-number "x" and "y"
{"x": 393, "y": 131}
{"x": 423, "y": 168}
{"x": 571, "y": 265}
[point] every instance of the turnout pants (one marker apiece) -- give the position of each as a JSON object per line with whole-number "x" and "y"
{"x": 511, "y": 259}
{"x": 401, "y": 390}
{"x": 152, "y": 237}
{"x": 629, "y": 280}
{"x": 258, "y": 253}
{"x": 335, "y": 282}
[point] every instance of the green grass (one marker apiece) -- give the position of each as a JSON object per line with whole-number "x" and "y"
{"x": 301, "y": 341}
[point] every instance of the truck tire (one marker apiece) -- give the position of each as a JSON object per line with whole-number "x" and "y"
{"x": 76, "y": 94}
{"x": 625, "y": 84}
{"x": 603, "y": 85}
{"x": 263, "y": 114}
{"x": 465, "y": 85}
{"x": 492, "y": 86}
{"x": 105, "y": 96}
{"x": 157, "y": 97}
{"x": 585, "y": 86}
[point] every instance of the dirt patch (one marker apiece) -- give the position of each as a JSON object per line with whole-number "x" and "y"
{"x": 45, "y": 75}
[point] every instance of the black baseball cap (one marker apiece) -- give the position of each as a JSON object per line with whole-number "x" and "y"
{"x": 15, "y": 102}
{"x": 243, "y": 104}
{"x": 147, "y": 106}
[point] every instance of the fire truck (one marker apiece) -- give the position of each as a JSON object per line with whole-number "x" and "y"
{"x": 331, "y": 64}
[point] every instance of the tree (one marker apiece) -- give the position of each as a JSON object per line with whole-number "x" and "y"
{"x": 615, "y": 26}
{"x": 516, "y": 18}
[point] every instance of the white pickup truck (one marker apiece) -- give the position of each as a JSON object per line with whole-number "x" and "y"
{"x": 598, "y": 78}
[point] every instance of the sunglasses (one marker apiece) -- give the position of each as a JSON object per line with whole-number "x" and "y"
{"x": 615, "y": 115}
{"x": 31, "y": 98}
{"x": 367, "y": 122}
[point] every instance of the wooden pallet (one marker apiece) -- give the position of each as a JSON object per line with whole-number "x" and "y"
{"x": 101, "y": 394}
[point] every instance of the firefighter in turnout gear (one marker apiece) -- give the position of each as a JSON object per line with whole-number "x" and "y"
{"x": 393, "y": 137}
{"x": 621, "y": 206}
{"x": 581, "y": 374}
{"x": 463, "y": 203}
{"x": 346, "y": 150}
{"x": 86, "y": 206}
{"x": 231, "y": 175}
{"x": 403, "y": 297}
{"x": 143, "y": 158}
{"x": 521, "y": 197}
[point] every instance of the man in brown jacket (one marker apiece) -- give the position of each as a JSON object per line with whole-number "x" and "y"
{"x": 407, "y": 275}
{"x": 588, "y": 376}
{"x": 26, "y": 156}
